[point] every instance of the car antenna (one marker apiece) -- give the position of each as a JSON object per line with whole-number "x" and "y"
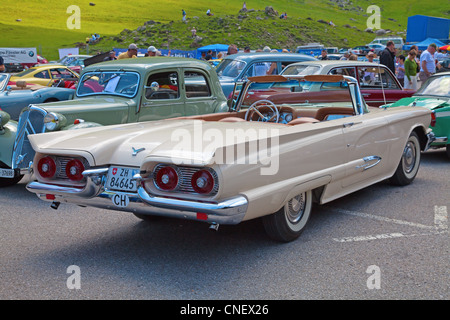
{"x": 382, "y": 86}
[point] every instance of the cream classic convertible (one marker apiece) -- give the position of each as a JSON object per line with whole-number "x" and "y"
{"x": 264, "y": 160}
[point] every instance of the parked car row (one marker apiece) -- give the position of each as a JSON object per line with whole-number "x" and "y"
{"x": 157, "y": 136}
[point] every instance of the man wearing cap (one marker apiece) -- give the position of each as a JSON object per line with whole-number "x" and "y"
{"x": 427, "y": 63}
{"x": 151, "y": 51}
{"x": 130, "y": 53}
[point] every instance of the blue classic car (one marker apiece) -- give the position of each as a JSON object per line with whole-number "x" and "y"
{"x": 13, "y": 98}
{"x": 240, "y": 66}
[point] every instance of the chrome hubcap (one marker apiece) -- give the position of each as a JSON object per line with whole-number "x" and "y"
{"x": 296, "y": 208}
{"x": 409, "y": 157}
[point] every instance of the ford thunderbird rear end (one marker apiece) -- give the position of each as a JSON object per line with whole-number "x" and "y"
{"x": 269, "y": 159}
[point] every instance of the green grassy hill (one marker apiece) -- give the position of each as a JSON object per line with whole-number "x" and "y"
{"x": 43, "y": 24}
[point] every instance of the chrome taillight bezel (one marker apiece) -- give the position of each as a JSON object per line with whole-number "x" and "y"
{"x": 61, "y": 175}
{"x": 47, "y": 167}
{"x": 185, "y": 184}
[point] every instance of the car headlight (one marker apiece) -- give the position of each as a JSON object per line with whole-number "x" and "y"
{"x": 54, "y": 121}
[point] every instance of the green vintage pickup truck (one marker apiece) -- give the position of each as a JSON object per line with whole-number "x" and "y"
{"x": 114, "y": 92}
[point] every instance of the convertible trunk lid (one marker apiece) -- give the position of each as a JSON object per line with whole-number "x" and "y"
{"x": 185, "y": 140}
{"x": 426, "y": 102}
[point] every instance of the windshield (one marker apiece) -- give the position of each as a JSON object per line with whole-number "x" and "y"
{"x": 230, "y": 68}
{"x": 121, "y": 83}
{"x": 436, "y": 86}
{"x": 297, "y": 92}
{"x": 293, "y": 70}
{"x": 24, "y": 72}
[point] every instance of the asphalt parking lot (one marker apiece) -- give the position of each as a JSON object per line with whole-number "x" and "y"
{"x": 382, "y": 242}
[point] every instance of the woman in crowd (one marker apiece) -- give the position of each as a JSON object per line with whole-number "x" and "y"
{"x": 411, "y": 71}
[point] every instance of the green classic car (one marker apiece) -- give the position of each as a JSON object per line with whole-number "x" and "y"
{"x": 114, "y": 92}
{"x": 434, "y": 95}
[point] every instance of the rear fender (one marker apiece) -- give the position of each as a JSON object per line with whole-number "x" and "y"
{"x": 7, "y": 137}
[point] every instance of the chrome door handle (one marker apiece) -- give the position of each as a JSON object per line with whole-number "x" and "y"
{"x": 369, "y": 165}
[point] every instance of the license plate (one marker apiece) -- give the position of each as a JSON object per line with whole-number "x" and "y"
{"x": 121, "y": 179}
{"x": 6, "y": 173}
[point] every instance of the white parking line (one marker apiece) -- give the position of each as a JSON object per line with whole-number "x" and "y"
{"x": 380, "y": 218}
{"x": 387, "y": 236}
{"x": 440, "y": 225}
{"x": 441, "y": 217}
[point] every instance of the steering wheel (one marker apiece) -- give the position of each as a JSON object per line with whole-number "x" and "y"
{"x": 254, "y": 108}
{"x": 128, "y": 89}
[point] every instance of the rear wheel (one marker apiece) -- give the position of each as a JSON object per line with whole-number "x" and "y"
{"x": 288, "y": 223}
{"x": 448, "y": 150}
{"x": 409, "y": 163}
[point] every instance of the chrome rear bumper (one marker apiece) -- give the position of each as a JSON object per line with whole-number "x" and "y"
{"x": 228, "y": 211}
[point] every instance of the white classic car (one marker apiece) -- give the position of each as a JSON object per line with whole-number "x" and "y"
{"x": 263, "y": 160}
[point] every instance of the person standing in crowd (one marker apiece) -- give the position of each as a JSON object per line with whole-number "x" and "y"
{"x": 411, "y": 71}
{"x": 232, "y": 49}
{"x": 370, "y": 56}
{"x": 111, "y": 56}
{"x": 427, "y": 63}
{"x": 401, "y": 69}
{"x": 345, "y": 56}
{"x": 151, "y": 51}
{"x": 184, "y": 15}
{"x": 130, "y": 53}
{"x": 387, "y": 56}
{"x": 2, "y": 64}
{"x": 209, "y": 55}
{"x": 324, "y": 55}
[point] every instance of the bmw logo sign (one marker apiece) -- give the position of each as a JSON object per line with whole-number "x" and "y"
{"x": 31, "y": 53}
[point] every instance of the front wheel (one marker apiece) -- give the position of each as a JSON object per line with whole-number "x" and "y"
{"x": 289, "y": 222}
{"x": 409, "y": 163}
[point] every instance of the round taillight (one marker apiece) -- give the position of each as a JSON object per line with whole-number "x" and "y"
{"x": 167, "y": 178}
{"x": 74, "y": 170}
{"x": 47, "y": 167}
{"x": 202, "y": 181}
